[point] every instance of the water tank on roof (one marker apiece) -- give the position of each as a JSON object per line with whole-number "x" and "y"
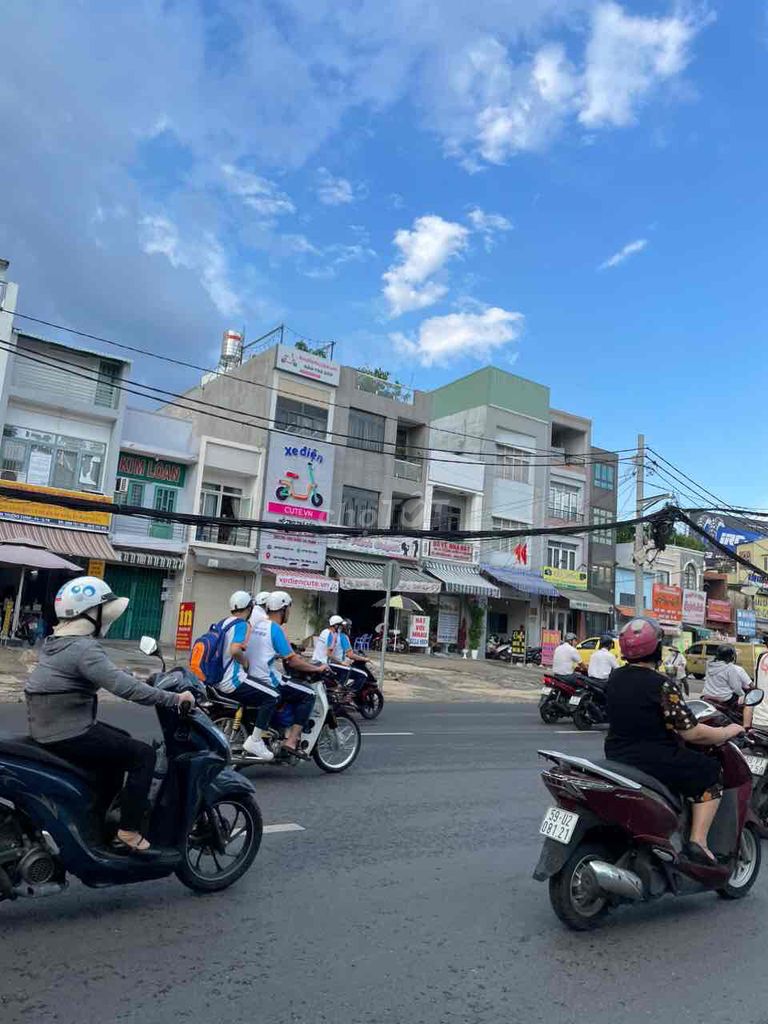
{"x": 231, "y": 350}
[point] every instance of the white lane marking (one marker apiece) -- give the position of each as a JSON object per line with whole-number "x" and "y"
{"x": 365, "y": 732}
{"x": 575, "y": 732}
{"x": 288, "y": 826}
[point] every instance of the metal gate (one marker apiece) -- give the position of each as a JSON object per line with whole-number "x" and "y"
{"x": 144, "y": 614}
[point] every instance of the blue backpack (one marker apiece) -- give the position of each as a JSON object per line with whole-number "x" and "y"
{"x": 207, "y": 656}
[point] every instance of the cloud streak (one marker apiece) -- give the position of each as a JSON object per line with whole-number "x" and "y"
{"x": 441, "y": 340}
{"x": 424, "y": 251}
{"x": 627, "y": 251}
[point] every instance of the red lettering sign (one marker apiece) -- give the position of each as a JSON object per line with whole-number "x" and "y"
{"x": 667, "y": 603}
{"x": 185, "y": 625}
{"x": 719, "y": 611}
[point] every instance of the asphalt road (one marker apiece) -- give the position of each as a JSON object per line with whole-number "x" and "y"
{"x": 408, "y": 897}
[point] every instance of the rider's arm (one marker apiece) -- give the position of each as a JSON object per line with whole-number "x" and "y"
{"x": 679, "y": 717}
{"x": 96, "y": 667}
{"x": 241, "y": 631}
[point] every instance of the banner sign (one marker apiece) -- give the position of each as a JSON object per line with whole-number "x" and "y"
{"x": 184, "y": 626}
{"x": 156, "y": 471}
{"x": 760, "y": 604}
{"x": 694, "y": 607}
{"x": 568, "y": 579}
{"x": 718, "y": 611}
{"x": 667, "y": 603}
{"x": 746, "y": 622}
{"x": 293, "y": 360}
{"x": 96, "y": 568}
{"x": 52, "y": 514}
{"x": 550, "y": 639}
{"x": 452, "y": 551}
{"x": 406, "y": 549}
{"x": 294, "y": 550}
{"x": 418, "y": 631}
{"x": 448, "y": 620}
{"x": 305, "y": 581}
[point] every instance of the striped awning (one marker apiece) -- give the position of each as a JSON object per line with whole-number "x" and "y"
{"x": 460, "y": 578}
{"x": 355, "y": 575}
{"x": 583, "y": 601}
{"x": 525, "y": 581}
{"x": 75, "y": 543}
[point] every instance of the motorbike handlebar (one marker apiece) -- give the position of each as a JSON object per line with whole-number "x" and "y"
{"x": 186, "y": 707}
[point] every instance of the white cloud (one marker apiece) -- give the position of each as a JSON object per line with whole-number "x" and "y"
{"x": 334, "y": 191}
{"x": 258, "y": 193}
{"x": 626, "y": 58}
{"x": 424, "y": 250}
{"x": 443, "y": 339}
{"x": 630, "y": 249}
{"x": 489, "y": 225}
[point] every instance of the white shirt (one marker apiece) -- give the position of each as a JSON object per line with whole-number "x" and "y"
{"x": 565, "y": 659}
{"x": 266, "y": 643}
{"x": 257, "y": 615}
{"x": 322, "y": 647}
{"x": 723, "y": 680}
{"x": 602, "y": 663}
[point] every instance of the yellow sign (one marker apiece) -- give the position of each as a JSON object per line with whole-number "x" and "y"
{"x": 96, "y": 568}
{"x": 568, "y": 579}
{"x": 760, "y": 604}
{"x": 47, "y": 511}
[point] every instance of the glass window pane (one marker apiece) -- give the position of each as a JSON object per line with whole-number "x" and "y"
{"x": 65, "y": 470}
{"x": 14, "y": 459}
{"x": 366, "y": 431}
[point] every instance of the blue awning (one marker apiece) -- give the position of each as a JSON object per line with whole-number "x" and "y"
{"x": 521, "y": 579}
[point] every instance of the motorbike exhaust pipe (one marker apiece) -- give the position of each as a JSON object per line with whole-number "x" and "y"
{"x": 616, "y": 881}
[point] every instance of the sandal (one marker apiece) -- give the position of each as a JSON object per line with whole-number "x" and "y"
{"x": 293, "y": 752}
{"x": 698, "y": 855}
{"x": 141, "y": 846}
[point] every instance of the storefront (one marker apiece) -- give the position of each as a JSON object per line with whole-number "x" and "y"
{"x": 215, "y": 577}
{"x": 361, "y": 585}
{"x": 523, "y": 600}
{"x": 314, "y": 597}
{"x": 147, "y": 579}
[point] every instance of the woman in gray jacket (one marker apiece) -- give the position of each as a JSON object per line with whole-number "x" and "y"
{"x": 62, "y": 701}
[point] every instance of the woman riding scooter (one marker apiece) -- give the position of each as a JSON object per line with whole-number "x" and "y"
{"x": 62, "y": 701}
{"x": 648, "y": 720}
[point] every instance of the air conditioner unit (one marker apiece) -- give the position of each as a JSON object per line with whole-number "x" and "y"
{"x": 121, "y": 490}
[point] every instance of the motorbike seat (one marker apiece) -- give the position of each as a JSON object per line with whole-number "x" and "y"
{"x": 226, "y": 702}
{"x": 25, "y": 749}
{"x": 629, "y": 772}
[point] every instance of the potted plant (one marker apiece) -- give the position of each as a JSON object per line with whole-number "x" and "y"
{"x": 476, "y": 617}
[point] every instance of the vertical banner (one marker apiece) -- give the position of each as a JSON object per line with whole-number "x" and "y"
{"x": 184, "y": 626}
{"x": 418, "y": 631}
{"x": 550, "y": 639}
{"x": 96, "y": 568}
{"x": 667, "y": 603}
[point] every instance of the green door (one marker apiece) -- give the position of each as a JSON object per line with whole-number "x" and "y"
{"x": 145, "y": 612}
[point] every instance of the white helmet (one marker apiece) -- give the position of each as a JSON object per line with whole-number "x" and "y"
{"x": 81, "y": 595}
{"x": 278, "y": 600}
{"x": 335, "y": 620}
{"x": 261, "y": 598}
{"x": 240, "y": 600}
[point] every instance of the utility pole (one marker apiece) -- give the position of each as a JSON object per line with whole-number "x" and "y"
{"x": 639, "y": 532}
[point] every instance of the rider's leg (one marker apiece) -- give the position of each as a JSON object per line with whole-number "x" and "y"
{"x": 263, "y": 697}
{"x": 302, "y": 699}
{"x": 703, "y": 813}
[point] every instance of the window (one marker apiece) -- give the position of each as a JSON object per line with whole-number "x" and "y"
{"x": 601, "y": 577}
{"x": 106, "y": 384}
{"x": 52, "y": 460}
{"x": 165, "y": 501}
{"x": 628, "y": 600}
{"x": 561, "y": 556}
{"x": 445, "y": 516}
{"x": 513, "y": 464}
{"x": 497, "y": 623}
{"x": 402, "y": 450}
{"x": 588, "y": 645}
{"x": 506, "y": 544}
{"x": 129, "y": 492}
{"x": 690, "y": 577}
{"x": 221, "y": 502}
{"x": 300, "y": 417}
{"x": 563, "y": 501}
{"x": 696, "y": 649}
{"x": 359, "y": 507}
{"x": 601, "y": 517}
{"x": 604, "y": 475}
{"x": 366, "y": 431}
{"x": 661, "y": 577}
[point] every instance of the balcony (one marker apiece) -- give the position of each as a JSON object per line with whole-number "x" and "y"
{"x": 407, "y": 470}
{"x": 70, "y": 380}
{"x": 568, "y": 460}
{"x": 390, "y": 389}
{"x": 135, "y": 530}
{"x": 569, "y": 515}
{"x": 230, "y": 536}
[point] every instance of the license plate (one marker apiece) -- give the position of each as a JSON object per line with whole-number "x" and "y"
{"x": 545, "y": 691}
{"x": 559, "y": 824}
{"x": 757, "y": 765}
{"x": 575, "y": 701}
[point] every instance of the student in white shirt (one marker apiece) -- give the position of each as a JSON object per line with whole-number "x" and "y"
{"x": 603, "y": 661}
{"x": 328, "y": 643}
{"x": 259, "y": 607}
{"x": 566, "y": 657}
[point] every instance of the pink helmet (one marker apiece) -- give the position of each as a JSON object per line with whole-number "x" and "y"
{"x": 640, "y": 638}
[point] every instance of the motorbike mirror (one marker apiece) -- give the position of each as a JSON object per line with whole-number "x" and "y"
{"x": 148, "y": 645}
{"x": 753, "y": 698}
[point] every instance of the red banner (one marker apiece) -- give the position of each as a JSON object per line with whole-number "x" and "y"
{"x": 184, "y": 626}
{"x": 719, "y": 611}
{"x": 667, "y": 603}
{"x": 550, "y": 639}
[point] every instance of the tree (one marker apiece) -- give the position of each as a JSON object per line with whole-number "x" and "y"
{"x": 378, "y": 381}
{"x": 302, "y": 346}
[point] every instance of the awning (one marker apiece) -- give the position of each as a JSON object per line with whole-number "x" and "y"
{"x": 75, "y": 543}
{"x": 522, "y": 580}
{"x": 354, "y": 575}
{"x": 29, "y": 555}
{"x": 151, "y": 560}
{"x": 209, "y": 558}
{"x": 583, "y": 601}
{"x": 460, "y": 578}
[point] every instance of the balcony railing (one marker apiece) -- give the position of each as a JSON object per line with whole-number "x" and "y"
{"x": 231, "y": 536}
{"x": 155, "y": 529}
{"x": 558, "y": 512}
{"x": 407, "y": 470}
{"x": 391, "y": 389}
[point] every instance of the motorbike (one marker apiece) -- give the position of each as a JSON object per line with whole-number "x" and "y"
{"x": 533, "y": 656}
{"x": 616, "y": 835}
{"x": 364, "y": 695}
{"x": 331, "y": 737}
{"x": 589, "y": 705}
{"x": 58, "y": 820}
{"x": 395, "y": 643}
{"x": 498, "y": 650}
{"x": 559, "y": 697}
{"x": 27, "y": 630}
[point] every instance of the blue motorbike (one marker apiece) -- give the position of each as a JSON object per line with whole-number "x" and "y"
{"x": 56, "y": 819}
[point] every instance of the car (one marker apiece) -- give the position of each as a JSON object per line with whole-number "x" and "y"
{"x": 587, "y": 648}
{"x": 698, "y": 656}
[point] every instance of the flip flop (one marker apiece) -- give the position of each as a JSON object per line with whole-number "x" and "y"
{"x": 120, "y": 846}
{"x": 293, "y": 752}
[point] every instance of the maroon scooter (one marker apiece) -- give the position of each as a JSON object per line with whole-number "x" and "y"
{"x": 616, "y": 835}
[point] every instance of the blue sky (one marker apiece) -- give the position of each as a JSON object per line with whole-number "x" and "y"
{"x": 571, "y": 189}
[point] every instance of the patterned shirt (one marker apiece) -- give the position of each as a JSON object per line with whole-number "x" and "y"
{"x": 678, "y": 717}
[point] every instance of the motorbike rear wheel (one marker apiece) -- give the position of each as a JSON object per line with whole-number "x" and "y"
{"x": 583, "y": 716}
{"x": 236, "y": 734}
{"x": 337, "y": 748}
{"x": 747, "y": 867}
{"x": 222, "y": 843}
{"x": 574, "y": 897}
{"x": 549, "y": 712}
{"x": 371, "y": 703}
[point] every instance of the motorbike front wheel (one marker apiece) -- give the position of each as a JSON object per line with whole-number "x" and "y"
{"x": 337, "y": 747}
{"x": 583, "y": 716}
{"x": 573, "y": 895}
{"x": 222, "y": 843}
{"x": 371, "y": 703}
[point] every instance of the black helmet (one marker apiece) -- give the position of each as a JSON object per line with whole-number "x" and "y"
{"x": 725, "y": 653}
{"x": 606, "y": 640}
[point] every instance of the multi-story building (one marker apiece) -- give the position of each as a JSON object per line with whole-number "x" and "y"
{"x": 673, "y": 586}
{"x": 602, "y": 495}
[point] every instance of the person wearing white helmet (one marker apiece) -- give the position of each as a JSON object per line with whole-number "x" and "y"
{"x": 61, "y": 695}
{"x": 268, "y": 643}
{"x": 238, "y": 630}
{"x": 328, "y": 643}
{"x": 259, "y": 607}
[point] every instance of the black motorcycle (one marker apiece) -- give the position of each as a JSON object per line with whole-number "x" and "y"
{"x": 533, "y": 656}
{"x": 360, "y": 688}
{"x": 589, "y": 706}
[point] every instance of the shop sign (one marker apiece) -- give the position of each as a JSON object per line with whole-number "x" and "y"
{"x": 746, "y": 622}
{"x": 719, "y": 611}
{"x": 303, "y": 581}
{"x": 448, "y": 621}
{"x": 47, "y": 511}
{"x": 96, "y": 568}
{"x": 550, "y": 639}
{"x": 406, "y": 549}
{"x": 157, "y": 471}
{"x": 517, "y": 643}
{"x": 568, "y": 579}
{"x": 452, "y": 551}
{"x": 667, "y": 603}
{"x": 731, "y": 537}
{"x": 151, "y": 561}
{"x": 695, "y": 607}
{"x": 418, "y": 631}
{"x": 760, "y": 604}
{"x": 305, "y": 364}
{"x": 292, "y": 550}
{"x": 185, "y": 625}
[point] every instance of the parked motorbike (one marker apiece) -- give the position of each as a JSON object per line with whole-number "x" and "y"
{"x": 27, "y": 629}
{"x": 558, "y": 697}
{"x": 589, "y": 705}
{"x": 395, "y": 642}
{"x": 533, "y": 656}
{"x": 616, "y": 835}
{"x": 331, "y": 737}
{"x": 364, "y": 695}
{"x": 497, "y": 649}
{"x": 57, "y": 819}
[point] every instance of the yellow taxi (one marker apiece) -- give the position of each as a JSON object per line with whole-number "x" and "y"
{"x": 587, "y": 648}
{"x": 699, "y": 655}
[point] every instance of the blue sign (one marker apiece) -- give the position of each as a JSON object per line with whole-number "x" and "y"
{"x": 731, "y": 537}
{"x": 746, "y": 623}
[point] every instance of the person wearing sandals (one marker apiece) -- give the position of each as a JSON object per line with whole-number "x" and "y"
{"x": 61, "y": 695}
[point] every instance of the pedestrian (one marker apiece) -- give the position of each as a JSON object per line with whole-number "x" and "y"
{"x": 676, "y": 668}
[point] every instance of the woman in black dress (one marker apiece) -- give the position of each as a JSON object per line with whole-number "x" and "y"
{"x": 648, "y": 721}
